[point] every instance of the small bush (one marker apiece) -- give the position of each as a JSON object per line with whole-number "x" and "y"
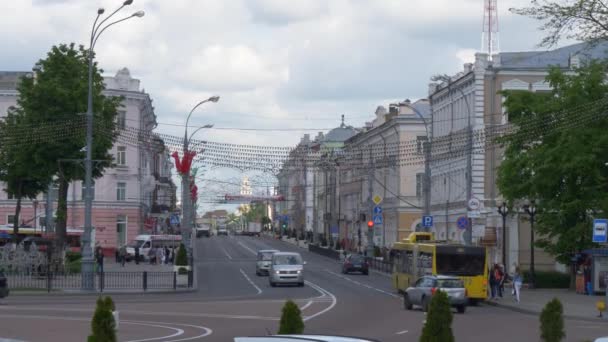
{"x": 74, "y": 266}
{"x": 291, "y": 319}
{"x": 182, "y": 256}
{"x": 103, "y": 326}
{"x": 548, "y": 279}
{"x": 182, "y": 270}
{"x": 72, "y": 256}
{"x": 552, "y": 322}
{"x": 438, "y": 326}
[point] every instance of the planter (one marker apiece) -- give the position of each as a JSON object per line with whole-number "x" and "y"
{"x": 176, "y": 268}
{"x": 182, "y": 280}
{"x": 116, "y": 318}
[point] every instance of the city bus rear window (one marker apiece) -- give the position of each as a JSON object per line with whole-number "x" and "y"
{"x": 450, "y": 283}
{"x": 460, "y": 264}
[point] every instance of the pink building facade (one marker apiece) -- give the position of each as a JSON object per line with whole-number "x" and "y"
{"x": 132, "y": 198}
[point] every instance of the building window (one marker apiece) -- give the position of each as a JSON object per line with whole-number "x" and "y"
{"x": 10, "y": 219}
{"x": 121, "y": 230}
{"x": 420, "y": 140}
{"x": 121, "y": 119}
{"x": 121, "y": 155}
{"x": 121, "y": 191}
{"x": 92, "y": 190}
{"x": 10, "y": 196}
{"x": 419, "y": 184}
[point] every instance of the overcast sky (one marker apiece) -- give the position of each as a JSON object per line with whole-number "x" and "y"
{"x": 280, "y": 64}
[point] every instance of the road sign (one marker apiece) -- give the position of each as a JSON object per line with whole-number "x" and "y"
{"x": 462, "y": 222}
{"x": 377, "y": 210}
{"x": 427, "y": 221}
{"x": 377, "y": 199}
{"x": 377, "y": 219}
{"x": 600, "y": 226}
{"x": 474, "y": 204}
{"x": 174, "y": 219}
{"x": 474, "y": 214}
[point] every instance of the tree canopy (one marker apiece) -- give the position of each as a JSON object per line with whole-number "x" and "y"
{"x": 584, "y": 20}
{"x": 58, "y": 94}
{"x": 557, "y": 156}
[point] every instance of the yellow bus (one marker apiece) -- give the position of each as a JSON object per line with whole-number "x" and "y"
{"x": 420, "y": 255}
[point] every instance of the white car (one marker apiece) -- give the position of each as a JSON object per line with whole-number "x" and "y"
{"x": 601, "y": 339}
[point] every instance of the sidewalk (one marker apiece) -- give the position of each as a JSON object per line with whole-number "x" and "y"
{"x": 576, "y": 306}
{"x": 299, "y": 243}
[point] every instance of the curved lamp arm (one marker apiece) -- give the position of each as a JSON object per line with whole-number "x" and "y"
{"x": 138, "y": 14}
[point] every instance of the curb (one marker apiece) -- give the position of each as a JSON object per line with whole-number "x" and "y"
{"x": 95, "y": 293}
{"x": 536, "y": 312}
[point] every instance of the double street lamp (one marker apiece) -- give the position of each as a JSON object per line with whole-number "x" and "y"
{"x": 87, "y": 251}
{"x": 186, "y": 228}
{"x": 530, "y": 209}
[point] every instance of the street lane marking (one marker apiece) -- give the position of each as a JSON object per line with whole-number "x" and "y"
{"x": 206, "y": 331}
{"x": 250, "y": 281}
{"x": 362, "y": 284}
{"x": 247, "y": 248}
{"x": 306, "y": 305}
{"x": 225, "y": 252}
{"x": 178, "y": 332}
{"x": 402, "y": 332}
{"x": 334, "y": 300}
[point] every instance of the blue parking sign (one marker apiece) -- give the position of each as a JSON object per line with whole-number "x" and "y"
{"x": 427, "y": 221}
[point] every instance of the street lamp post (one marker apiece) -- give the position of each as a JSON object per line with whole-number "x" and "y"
{"x": 186, "y": 224}
{"x": 427, "y": 161}
{"x": 503, "y": 210}
{"x": 531, "y": 210}
{"x": 87, "y": 251}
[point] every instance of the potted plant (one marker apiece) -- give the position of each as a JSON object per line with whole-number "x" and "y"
{"x": 181, "y": 266}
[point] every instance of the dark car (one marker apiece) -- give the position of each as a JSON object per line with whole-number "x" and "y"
{"x": 3, "y": 285}
{"x": 355, "y": 263}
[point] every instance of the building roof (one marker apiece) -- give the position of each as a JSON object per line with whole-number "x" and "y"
{"x": 558, "y": 57}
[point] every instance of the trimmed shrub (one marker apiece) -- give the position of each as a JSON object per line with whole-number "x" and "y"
{"x": 552, "y": 322}
{"x": 291, "y": 319}
{"x": 182, "y": 256}
{"x": 438, "y": 326}
{"x": 103, "y": 326}
{"x": 72, "y": 256}
{"x": 73, "y": 266}
{"x": 548, "y": 279}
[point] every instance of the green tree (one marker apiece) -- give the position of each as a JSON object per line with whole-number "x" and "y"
{"x": 438, "y": 326}
{"x": 103, "y": 326}
{"x": 58, "y": 94}
{"x": 20, "y": 179}
{"x": 291, "y": 319}
{"x": 552, "y": 322}
{"x": 584, "y": 20}
{"x": 560, "y": 166}
{"x": 182, "y": 256}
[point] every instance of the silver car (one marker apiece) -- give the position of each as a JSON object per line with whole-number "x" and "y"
{"x": 286, "y": 268}
{"x": 422, "y": 292}
{"x": 262, "y": 266}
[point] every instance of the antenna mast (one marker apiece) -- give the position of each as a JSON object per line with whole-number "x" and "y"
{"x": 489, "y": 35}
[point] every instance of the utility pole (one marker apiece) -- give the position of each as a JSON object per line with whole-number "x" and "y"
{"x": 469, "y": 234}
{"x": 427, "y": 178}
{"x": 370, "y": 203}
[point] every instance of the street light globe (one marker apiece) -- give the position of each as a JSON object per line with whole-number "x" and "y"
{"x": 139, "y": 14}
{"x": 214, "y": 98}
{"x": 127, "y": 2}
{"x": 100, "y": 11}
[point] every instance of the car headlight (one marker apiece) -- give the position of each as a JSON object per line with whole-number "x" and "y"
{"x": 276, "y": 272}
{"x": 299, "y": 271}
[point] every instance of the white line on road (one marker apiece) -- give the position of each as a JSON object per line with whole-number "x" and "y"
{"x": 334, "y": 300}
{"x": 304, "y": 307}
{"x": 225, "y": 252}
{"x": 250, "y": 281}
{"x": 178, "y": 332}
{"x": 247, "y": 248}
{"x": 206, "y": 331}
{"x": 402, "y": 332}
{"x": 361, "y": 284}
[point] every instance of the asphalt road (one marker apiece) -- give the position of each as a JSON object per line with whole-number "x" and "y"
{"x": 233, "y": 301}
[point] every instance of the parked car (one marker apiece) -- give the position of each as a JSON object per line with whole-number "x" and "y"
{"x": 3, "y": 285}
{"x": 424, "y": 289}
{"x": 222, "y": 231}
{"x": 286, "y": 268}
{"x": 355, "y": 263}
{"x": 203, "y": 231}
{"x": 262, "y": 266}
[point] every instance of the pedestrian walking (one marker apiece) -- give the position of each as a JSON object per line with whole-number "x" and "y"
{"x": 505, "y": 276}
{"x": 498, "y": 280}
{"x": 136, "y": 255}
{"x": 173, "y": 255}
{"x": 492, "y": 281}
{"x": 517, "y": 281}
{"x": 160, "y": 255}
{"x": 99, "y": 259}
{"x": 123, "y": 255}
{"x": 152, "y": 255}
{"x": 167, "y": 255}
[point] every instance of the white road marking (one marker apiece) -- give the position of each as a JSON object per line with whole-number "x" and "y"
{"x": 247, "y": 248}
{"x": 225, "y": 252}
{"x": 304, "y": 307}
{"x": 402, "y": 332}
{"x": 206, "y": 332}
{"x": 178, "y": 332}
{"x": 334, "y": 300}
{"x": 362, "y": 284}
{"x": 250, "y": 281}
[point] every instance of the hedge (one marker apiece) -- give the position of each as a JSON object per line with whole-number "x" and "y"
{"x": 549, "y": 279}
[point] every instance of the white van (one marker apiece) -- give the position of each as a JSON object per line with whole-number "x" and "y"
{"x": 145, "y": 242}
